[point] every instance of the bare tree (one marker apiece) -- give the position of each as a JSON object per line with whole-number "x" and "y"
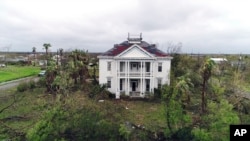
{"x": 174, "y": 48}
{"x": 7, "y": 51}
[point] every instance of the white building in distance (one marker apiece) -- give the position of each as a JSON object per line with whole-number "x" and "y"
{"x": 219, "y": 60}
{"x": 134, "y": 68}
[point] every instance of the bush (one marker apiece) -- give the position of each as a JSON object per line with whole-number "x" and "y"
{"x": 157, "y": 93}
{"x": 183, "y": 134}
{"x": 22, "y": 87}
{"x": 84, "y": 124}
{"x": 98, "y": 91}
{"x": 41, "y": 82}
{"x": 26, "y": 86}
{"x": 32, "y": 84}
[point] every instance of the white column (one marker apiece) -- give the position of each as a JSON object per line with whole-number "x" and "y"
{"x": 125, "y": 85}
{"x": 152, "y": 76}
{"x": 143, "y": 84}
{"x": 128, "y": 77}
{"x": 117, "y": 77}
{"x": 117, "y": 80}
{"x": 141, "y": 73}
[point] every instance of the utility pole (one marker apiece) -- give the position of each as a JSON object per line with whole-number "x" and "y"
{"x": 7, "y": 52}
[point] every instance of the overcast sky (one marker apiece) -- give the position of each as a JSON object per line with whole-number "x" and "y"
{"x": 202, "y": 26}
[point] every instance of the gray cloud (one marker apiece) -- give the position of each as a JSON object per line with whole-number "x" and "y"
{"x": 202, "y": 26}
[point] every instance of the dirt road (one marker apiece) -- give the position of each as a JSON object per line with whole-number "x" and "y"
{"x": 11, "y": 84}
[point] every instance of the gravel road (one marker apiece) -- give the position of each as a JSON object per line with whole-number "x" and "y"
{"x": 11, "y": 84}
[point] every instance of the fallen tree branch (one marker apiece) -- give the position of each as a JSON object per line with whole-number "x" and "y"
{"x": 3, "y": 109}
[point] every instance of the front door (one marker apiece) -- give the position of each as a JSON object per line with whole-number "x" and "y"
{"x": 133, "y": 86}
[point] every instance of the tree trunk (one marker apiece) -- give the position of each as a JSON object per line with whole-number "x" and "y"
{"x": 81, "y": 73}
{"x": 75, "y": 80}
{"x": 168, "y": 122}
{"x": 94, "y": 76}
{"x": 47, "y": 60}
{"x": 34, "y": 59}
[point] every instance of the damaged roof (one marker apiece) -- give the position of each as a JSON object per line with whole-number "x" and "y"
{"x": 150, "y": 48}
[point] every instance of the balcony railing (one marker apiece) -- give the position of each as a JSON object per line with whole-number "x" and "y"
{"x": 134, "y": 74}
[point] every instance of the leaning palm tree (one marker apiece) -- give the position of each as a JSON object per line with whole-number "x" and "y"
{"x": 206, "y": 71}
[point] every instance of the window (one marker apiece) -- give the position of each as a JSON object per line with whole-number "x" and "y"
{"x": 109, "y": 83}
{"x": 147, "y": 85}
{"x": 159, "y": 83}
{"x": 147, "y": 66}
{"x": 109, "y": 66}
{"x": 134, "y": 65}
{"x": 159, "y": 67}
{"x": 122, "y": 64}
{"x": 121, "y": 85}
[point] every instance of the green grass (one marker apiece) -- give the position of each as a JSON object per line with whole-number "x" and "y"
{"x": 15, "y": 72}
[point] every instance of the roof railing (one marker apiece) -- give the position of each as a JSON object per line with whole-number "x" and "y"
{"x": 134, "y": 38}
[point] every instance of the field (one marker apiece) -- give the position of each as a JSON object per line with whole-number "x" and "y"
{"x": 31, "y": 105}
{"x": 15, "y": 72}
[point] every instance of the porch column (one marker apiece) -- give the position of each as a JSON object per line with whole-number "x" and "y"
{"x": 151, "y": 76}
{"x": 118, "y": 76}
{"x": 117, "y": 81}
{"x": 128, "y": 84}
{"x": 141, "y": 75}
{"x": 144, "y": 73}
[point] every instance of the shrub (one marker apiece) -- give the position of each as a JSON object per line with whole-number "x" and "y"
{"x": 98, "y": 91}
{"x": 41, "y": 82}
{"x": 84, "y": 124}
{"x": 22, "y": 87}
{"x": 32, "y": 84}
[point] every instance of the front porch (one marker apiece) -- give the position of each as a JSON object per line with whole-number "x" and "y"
{"x": 135, "y": 94}
{"x": 134, "y": 87}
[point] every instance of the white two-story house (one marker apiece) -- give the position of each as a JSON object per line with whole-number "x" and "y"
{"x": 134, "y": 68}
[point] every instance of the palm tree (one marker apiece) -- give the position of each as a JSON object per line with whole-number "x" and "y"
{"x": 46, "y": 47}
{"x": 183, "y": 86}
{"x": 34, "y": 52}
{"x": 94, "y": 66}
{"x": 206, "y": 70}
{"x": 79, "y": 65}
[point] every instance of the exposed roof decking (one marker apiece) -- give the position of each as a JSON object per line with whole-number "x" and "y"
{"x": 150, "y": 48}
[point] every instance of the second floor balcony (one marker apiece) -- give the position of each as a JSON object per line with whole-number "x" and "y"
{"x": 134, "y": 69}
{"x": 134, "y": 74}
